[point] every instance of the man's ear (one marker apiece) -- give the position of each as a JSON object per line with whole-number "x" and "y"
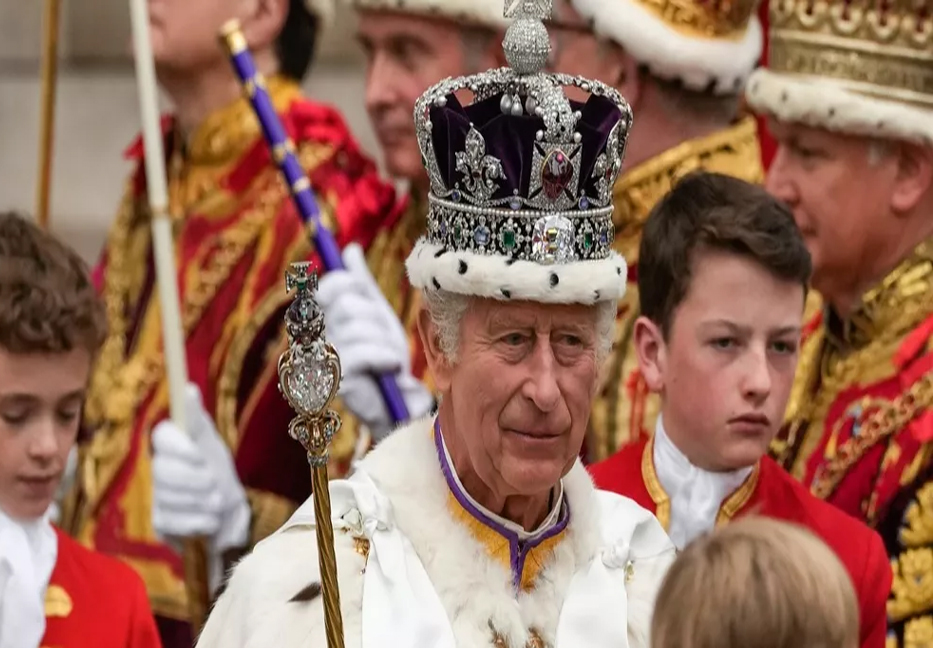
{"x": 438, "y": 364}
{"x": 914, "y": 176}
{"x": 651, "y": 350}
{"x": 264, "y": 21}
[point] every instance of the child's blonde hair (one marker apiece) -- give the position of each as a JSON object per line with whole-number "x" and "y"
{"x": 756, "y": 583}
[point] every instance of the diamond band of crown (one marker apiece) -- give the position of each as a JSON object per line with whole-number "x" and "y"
{"x": 522, "y": 171}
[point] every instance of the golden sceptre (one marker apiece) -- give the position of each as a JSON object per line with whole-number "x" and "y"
{"x": 309, "y": 375}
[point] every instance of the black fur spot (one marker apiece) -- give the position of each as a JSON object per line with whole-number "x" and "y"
{"x": 554, "y": 279}
{"x": 440, "y": 253}
{"x": 437, "y": 286}
{"x": 308, "y": 594}
{"x": 595, "y": 295}
{"x": 618, "y": 271}
{"x": 463, "y": 267}
{"x": 510, "y": 261}
{"x": 506, "y": 293}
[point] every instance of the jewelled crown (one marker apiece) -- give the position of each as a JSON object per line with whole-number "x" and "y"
{"x": 858, "y": 66}
{"x": 520, "y": 202}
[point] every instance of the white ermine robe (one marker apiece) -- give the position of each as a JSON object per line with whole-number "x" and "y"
{"x": 421, "y": 565}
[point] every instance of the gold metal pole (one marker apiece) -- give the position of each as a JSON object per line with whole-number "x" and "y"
{"x": 309, "y": 375}
{"x": 47, "y": 118}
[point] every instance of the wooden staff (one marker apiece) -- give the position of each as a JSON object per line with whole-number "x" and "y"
{"x": 173, "y": 337}
{"x": 47, "y": 118}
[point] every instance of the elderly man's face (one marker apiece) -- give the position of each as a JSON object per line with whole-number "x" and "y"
{"x": 840, "y": 197}
{"x": 521, "y": 390}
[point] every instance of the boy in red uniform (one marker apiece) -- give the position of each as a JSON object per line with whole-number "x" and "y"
{"x": 52, "y": 591}
{"x": 722, "y": 280}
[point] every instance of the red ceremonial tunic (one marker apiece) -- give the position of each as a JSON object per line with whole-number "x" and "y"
{"x": 236, "y": 232}
{"x": 771, "y": 492}
{"x": 95, "y": 602}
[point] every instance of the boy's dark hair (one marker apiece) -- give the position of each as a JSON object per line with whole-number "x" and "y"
{"x": 295, "y": 46}
{"x": 48, "y": 303}
{"x": 711, "y": 211}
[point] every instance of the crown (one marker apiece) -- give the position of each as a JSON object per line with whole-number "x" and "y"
{"x": 704, "y": 18}
{"x": 879, "y": 48}
{"x": 520, "y": 200}
{"x": 523, "y": 171}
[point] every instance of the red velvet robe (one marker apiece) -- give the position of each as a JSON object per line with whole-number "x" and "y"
{"x": 96, "y": 602}
{"x": 771, "y": 492}
{"x": 236, "y": 233}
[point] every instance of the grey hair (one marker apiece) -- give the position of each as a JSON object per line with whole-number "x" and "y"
{"x": 447, "y": 309}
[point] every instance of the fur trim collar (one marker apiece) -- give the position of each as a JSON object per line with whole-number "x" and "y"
{"x": 257, "y": 610}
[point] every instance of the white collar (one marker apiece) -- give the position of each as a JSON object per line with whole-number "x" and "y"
{"x": 550, "y": 521}
{"x": 28, "y": 551}
{"x": 696, "y": 494}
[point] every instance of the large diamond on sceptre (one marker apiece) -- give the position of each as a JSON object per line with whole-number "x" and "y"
{"x": 309, "y": 375}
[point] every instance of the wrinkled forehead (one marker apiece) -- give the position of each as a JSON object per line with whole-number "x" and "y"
{"x": 495, "y": 315}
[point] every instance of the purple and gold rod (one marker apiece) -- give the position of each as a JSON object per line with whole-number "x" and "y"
{"x": 283, "y": 152}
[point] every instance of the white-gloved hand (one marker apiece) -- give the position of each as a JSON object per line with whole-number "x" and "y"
{"x": 196, "y": 489}
{"x": 370, "y": 340}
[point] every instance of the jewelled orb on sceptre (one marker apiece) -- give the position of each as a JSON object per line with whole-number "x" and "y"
{"x": 309, "y": 370}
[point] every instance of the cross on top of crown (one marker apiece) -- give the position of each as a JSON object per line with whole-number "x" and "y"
{"x": 536, "y": 9}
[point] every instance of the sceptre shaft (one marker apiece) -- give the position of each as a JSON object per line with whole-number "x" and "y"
{"x": 173, "y": 336}
{"x": 309, "y": 375}
{"x": 283, "y": 152}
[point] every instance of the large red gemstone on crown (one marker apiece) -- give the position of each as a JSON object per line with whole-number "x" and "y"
{"x": 556, "y": 175}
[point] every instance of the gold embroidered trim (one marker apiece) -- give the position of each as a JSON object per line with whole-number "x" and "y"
{"x": 58, "y": 602}
{"x": 270, "y": 512}
{"x": 918, "y": 633}
{"x": 912, "y": 587}
{"x": 661, "y": 500}
{"x": 860, "y": 352}
{"x": 918, "y": 519}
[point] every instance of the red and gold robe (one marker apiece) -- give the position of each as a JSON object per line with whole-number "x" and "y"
{"x": 236, "y": 231}
{"x": 771, "y": 492}
{"x": 624, "y": 409}
{"x": 859, "y": 429}
{"x": 93, "y": 601}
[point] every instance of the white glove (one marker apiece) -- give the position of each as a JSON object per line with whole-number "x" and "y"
{"x": 196, "y": 489}
{"x": 370, "y": 340}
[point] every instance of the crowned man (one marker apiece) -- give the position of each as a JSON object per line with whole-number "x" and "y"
{"x": 409, "y": 45}
{"x": 854, "y": 123}
{"x": 479, "y": 527}
{"x": 144, "y": 482}
{"x": 682, "y": 66}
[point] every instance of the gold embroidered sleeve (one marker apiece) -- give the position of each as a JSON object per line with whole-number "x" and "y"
{"x": 910, "y": 606}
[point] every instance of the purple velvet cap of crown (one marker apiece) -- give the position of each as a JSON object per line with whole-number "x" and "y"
{"x": 512, "y": 139}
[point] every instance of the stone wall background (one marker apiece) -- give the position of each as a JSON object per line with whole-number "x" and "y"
{"x": 96, "y": 110}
